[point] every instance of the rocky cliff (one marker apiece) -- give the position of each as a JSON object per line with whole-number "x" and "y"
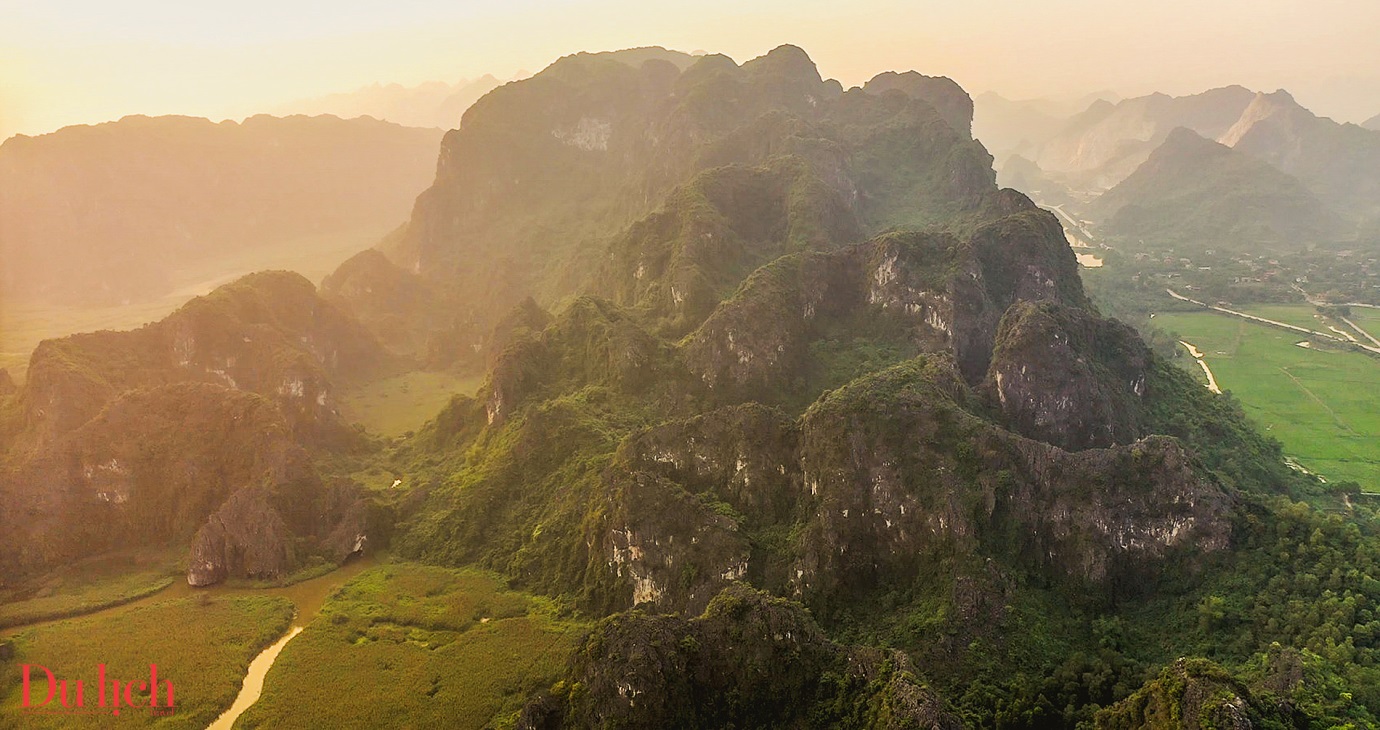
{"x": 160, "y": 465}
{"x": 671, "y": 182}
{"x": 195, "y": 426}
{"x": 749, "y": 660}
{"x": 267, "y": 333}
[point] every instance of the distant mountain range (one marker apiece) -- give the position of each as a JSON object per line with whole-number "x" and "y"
{"x": 434, "y": 104}
{"x": 1009, "y": 127}
{"x": 1372, "y": 123}
{"x": 111, "y": 213}
{"x": 1193, "y": 189}
{"x": 1227, "y": 167}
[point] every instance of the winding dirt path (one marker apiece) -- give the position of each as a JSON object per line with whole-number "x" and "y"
{"x": 1198, "y": 356}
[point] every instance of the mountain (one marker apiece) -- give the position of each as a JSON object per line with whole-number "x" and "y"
{"x": 740, "y": 326}
{"x": 1104, "y": 144}
{"x": 1338, "y": 162}
{"x": 945, "y": 95}
{"x": 817, "y": 421}
{"x": 1007, "y": 126}
{"x": 1372, "y": 123}
{"x": 1198, "y": 193}
{"x": 118, "y": 212}
{"x": 192, "y": 429}
{"x": 739, "y": 163}
{"x": 434, "y": 104}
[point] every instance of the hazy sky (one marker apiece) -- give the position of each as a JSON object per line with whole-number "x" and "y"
{"x": 77, "y": 61}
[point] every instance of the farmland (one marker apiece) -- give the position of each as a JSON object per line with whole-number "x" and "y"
{"x": 440, "y": 647}
{"x": 1319, "y": 401}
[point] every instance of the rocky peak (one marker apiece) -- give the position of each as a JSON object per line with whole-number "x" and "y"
{"x": 943, "y": 93}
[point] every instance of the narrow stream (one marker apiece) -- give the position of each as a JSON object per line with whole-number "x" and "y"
{"x": 253, "y": 682}
{"x": 308, "y": 596}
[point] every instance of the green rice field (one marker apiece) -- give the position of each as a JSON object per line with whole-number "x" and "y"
{"x": 1321, "y": 402}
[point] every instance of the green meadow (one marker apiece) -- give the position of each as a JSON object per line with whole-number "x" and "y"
{"x": 1321, "y": 402}
{"x": 418, "y": 645}
{"x": 202, "y": 643}
{"x": 89, "y": 586}
{"x": 393, "y": 406}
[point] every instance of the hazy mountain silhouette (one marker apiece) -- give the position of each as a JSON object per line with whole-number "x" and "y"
{"x": 107, "y": 213}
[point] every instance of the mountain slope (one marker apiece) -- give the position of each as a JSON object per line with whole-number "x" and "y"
{"x": 1197, "y": 193}
{"x": 1372, "y": 123}
{"x": 194, "y": 429}
{"x": 111, "y": 213}
{"x": 1340, "y": 163}
{"x": 592, "y": 145}
{"x": 1103, "y": 145}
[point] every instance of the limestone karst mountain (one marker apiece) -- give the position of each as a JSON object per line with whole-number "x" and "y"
{"x": 1340, "y": 163}
{"x": 780, "y": 386}
{"x": 196, "y": 425}
{"x": 1019, "y": 126}
{"x": 1104, "y": 144}
{"x": 1196, "y": 193}
{"x": 740, "y": 324}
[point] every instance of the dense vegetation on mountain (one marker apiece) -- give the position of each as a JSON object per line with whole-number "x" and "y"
{"x": 780, "y": 386}
{"x": 1195, "y": 193}
{"x": 111, "y": 213}
{"x": 833, "y": 361}
{"x": 190, "y": 427}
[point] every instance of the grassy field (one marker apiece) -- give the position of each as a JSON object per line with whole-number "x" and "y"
{"x": 1323, "y": 405}
{"x": 89, "y": 586}
{"x": 24, "y": 325}
{"x": 202, "y": 644}
{"x": 394, "y": 406}
{"x": 415, "y": 646}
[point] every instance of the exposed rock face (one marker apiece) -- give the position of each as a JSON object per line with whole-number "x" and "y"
{"x": 267, "y": 333}
{"x": 952, "y": 102}
{"x": 250, "y": 536}
{"x": 1340, "y": 163}
{"x": 154, "y": 466}
{"x": 109, "y": 213}
{"x": 932, "y": 292}
{"x": 749, "y": 661}
{"x": 593, "y": 144}
{"x": 246, "y": 536}
{"x": 1091, "y": 398}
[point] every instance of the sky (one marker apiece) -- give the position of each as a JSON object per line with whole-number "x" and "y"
{"x": 85, "y": 61}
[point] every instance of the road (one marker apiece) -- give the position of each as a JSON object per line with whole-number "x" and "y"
{"x": 1198, "y": 355}
{"x": 1275, "y": 323}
